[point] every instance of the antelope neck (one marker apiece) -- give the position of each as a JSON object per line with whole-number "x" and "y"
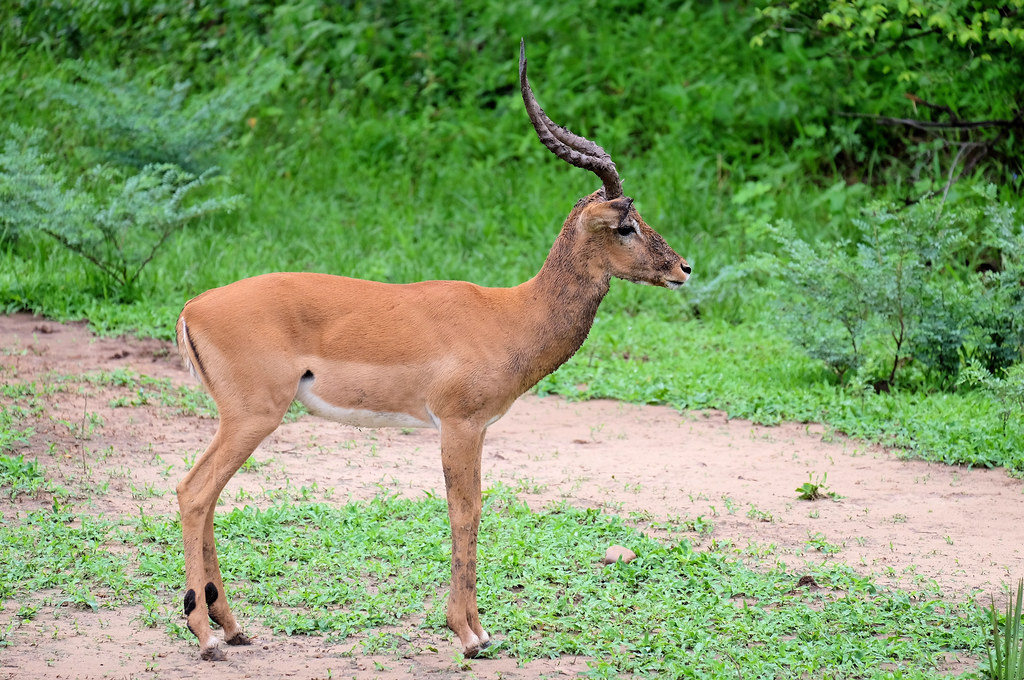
{"x": 562, "y": 301}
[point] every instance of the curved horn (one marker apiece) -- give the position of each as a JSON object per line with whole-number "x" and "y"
{"x": 570, "y": 147}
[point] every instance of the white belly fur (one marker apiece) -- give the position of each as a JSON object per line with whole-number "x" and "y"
{"x": 354, "y": 416}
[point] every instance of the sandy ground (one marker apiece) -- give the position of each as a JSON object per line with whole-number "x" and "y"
{"x": 905, "y": 522}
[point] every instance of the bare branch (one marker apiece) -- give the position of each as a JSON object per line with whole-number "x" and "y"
{"x": 936, "y": 125}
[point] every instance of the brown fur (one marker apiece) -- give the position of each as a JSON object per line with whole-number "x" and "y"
{"x": 444, "y": 352}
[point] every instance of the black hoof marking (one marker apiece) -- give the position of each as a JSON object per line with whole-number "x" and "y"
{"x": 190, "y": 601}
{"x": 211, "y": 593}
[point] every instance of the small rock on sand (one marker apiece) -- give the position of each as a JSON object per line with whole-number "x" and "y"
{"x": 618, "y": 552}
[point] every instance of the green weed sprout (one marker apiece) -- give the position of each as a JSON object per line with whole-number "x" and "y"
{"x": 815, "y": 489}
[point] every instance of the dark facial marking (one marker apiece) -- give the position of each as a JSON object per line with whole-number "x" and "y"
{"x": 190, "y": 601}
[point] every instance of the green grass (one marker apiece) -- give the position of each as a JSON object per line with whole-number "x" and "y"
{"x": 752, "y": 373}
{"x": 308, "y": 568}
{"x": 396, "y": 149}
{"x": 409, "y": 170}
{"x": 20, "y": 476}
{"x": 20, "y": 403}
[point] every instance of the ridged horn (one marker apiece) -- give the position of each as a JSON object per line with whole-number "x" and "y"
{"x": 570, "y": 147}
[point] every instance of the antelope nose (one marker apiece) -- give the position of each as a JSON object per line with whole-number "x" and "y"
{"x": 686, "y": 269}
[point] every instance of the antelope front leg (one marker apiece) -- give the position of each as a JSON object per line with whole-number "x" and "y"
{"x": 461, "y": 446}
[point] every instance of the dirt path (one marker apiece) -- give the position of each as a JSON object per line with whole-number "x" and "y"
{"x": 899, "y": 520}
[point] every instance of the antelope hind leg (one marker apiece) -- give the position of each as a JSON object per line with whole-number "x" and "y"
{"x": 216, "y": 594}
{"x": 196, "y": 508}
{"x": 205, "y": 595}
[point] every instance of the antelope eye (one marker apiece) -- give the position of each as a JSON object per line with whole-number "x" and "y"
{"x": 626, "y": 229}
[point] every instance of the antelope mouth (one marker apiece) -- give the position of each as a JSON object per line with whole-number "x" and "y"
{"x": 677, "y": 282}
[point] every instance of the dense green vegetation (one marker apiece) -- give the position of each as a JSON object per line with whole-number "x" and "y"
{"x": 803, "y": 157}
{"x": 844, "y": 176}
{"x": 674, "y": 612}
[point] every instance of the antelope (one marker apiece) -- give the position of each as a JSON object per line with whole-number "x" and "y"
{"x": 444, "y": 354}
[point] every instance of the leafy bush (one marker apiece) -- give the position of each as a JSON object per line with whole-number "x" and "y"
{"x": 116, "y": 221}
{"x": 156, "y": 147}
{"x": 1008, "y": 390}
{"x": 1000, "y": 312}
{"x": 27, "y": 188}
{"x": 909, "y": 295}
{"x": 929, "y": 88}
{"x": 139, "y": 122}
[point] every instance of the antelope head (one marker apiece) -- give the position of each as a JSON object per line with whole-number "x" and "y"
{"x": 621, "y": 244}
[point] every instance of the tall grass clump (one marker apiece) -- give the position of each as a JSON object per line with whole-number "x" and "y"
{"x": 1006, "y": 653}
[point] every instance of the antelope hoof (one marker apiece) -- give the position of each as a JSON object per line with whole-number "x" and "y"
{"x": 212, "y": 654}
{"x": 476, "y": 645}
{"x": 240, "y": 638}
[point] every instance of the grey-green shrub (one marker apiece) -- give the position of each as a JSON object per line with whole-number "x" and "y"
{"x": 144, "y": 120}
{"x": 115, "y": 219}
{"x": 908, "y": 302}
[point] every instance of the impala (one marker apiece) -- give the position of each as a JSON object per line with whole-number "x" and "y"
{"x": 444, "y": 354}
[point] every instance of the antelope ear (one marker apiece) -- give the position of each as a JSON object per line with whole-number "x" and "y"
{"x": 606, "y": 214}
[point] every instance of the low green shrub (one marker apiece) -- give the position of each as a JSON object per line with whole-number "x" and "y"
{"x": 144, "y": 119}
{"x": 115, "y": 220}
{"x": 918, "y": 296}
{"x": 1007, "y": 390}
{"x": 20, "y": 476}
